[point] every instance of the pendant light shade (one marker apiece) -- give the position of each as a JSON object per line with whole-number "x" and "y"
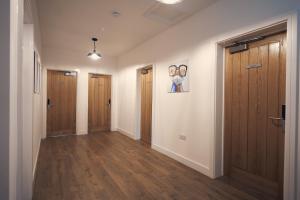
{"x": 94, "y": 55}
{"x": 170, "y": 1}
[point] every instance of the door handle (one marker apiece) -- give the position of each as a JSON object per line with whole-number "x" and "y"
{"x": 49, "y": 105}
{"x": 280, "y": 121}
{"x": 109, "y": 103}
{"x": 282, "y": 118}
{"x": 275, "y": 118}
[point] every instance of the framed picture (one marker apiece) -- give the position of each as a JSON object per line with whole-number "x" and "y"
{"x": 35, "y": 71}
{"x": 179, "y": 77}
{"x": 37, "y": 82}
{"x": 39, "y": 76}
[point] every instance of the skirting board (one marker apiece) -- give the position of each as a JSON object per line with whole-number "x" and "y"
{"x": 85, "y": 132}
{"x": 192, "y": 164}
{"x": 131, "y": 135}
{"x": 36, "y": 160}
{"x": 114, "y": 129}
{"x": 82, "y": 132}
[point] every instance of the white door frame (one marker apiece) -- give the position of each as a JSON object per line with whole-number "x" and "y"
{"x": 292, "y": 87}
{"x": 137, "y": 135}
{"x": 111, "y": 98}
{"x": 45, "y": 96}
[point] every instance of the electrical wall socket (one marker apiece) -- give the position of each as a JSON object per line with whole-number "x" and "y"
{"x": 182, "y": 137}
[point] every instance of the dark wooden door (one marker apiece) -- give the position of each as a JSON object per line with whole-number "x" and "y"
{"x": 99, "y": 103}
{"x": 146, "y": 105}
{"x": 61, "y": 108}
{"x": 254, "y": 102}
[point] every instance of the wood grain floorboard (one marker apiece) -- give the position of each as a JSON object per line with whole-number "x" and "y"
{"x": 112, "y": 166}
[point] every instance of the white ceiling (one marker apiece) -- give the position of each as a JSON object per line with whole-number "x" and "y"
{"x": 68, "y": 25}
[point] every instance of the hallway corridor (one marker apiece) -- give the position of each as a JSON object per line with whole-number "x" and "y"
{"x": 112, "y": 166}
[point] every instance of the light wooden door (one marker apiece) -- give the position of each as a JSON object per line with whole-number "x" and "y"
{"x": 146, "y": 106}
{"x": 99, "y": 103}
{"x": 61, "y": 108}
{"x": 254, "y": 104}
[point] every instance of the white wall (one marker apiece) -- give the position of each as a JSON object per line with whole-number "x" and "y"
{"x": 27, "y": 111}
{"x": 78, "y": 61}
{"x": 37, "y": 128}
{"x": 31, "y": 110}
{"x": 37, "y": 98}
{"x": 191, "y": 114}
{"x": 16, "y": 32}
{"x": 36, "y": 26}
{"x": 11, "y": 19}
{"x": 30, "y": 103}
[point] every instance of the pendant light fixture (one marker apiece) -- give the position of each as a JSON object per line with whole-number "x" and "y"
{"x": 170, "y": 1}
{"x": 94, "y": 55}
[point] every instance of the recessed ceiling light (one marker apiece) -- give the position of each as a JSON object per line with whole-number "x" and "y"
{"x": 170, "y": 1}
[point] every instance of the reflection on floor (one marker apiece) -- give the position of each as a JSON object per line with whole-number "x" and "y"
{"x": 112, "y": 166}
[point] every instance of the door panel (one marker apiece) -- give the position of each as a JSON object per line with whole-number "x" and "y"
{"x": 254, "y": 142}
{"x": 262, "y": 111}
{"x": 61, "y": 111}
{"x": 146, "y": 106}
{"x": 99, "y": 103}
{"x": 273, "y": 105}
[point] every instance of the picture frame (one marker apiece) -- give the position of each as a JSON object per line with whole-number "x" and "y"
{"x": 179, "y": 81}
{"x": 40, "y": 77}
{"x": 37, "y": 82}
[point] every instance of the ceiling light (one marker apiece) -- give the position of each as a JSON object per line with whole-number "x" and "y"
{"x": 94, "y": 55}
{"x": 115, "y": 13}
{"x": 170, "y": 1}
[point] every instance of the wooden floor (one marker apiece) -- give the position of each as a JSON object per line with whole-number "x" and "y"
{"x": 112, "y": 166}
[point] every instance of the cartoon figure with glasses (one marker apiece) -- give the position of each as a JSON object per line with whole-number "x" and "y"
{"x": 178, "y": 75}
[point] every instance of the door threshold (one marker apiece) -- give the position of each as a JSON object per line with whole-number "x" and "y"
{"x": 57, "y": 136}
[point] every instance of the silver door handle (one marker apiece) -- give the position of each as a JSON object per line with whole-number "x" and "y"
{"x": 50, "y": 106}
{"x": 281, "y": 121}
{"x": 275, "y": 118}
{"x": 109, "y": 103}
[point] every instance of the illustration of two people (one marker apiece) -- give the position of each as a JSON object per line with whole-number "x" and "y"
{"x": 178, "y": 76}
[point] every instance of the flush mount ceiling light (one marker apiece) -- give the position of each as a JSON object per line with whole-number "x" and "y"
{"x": 94, "y": 55}
{"x": 115, "y": 13}
{"x": 169, "y": 1}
